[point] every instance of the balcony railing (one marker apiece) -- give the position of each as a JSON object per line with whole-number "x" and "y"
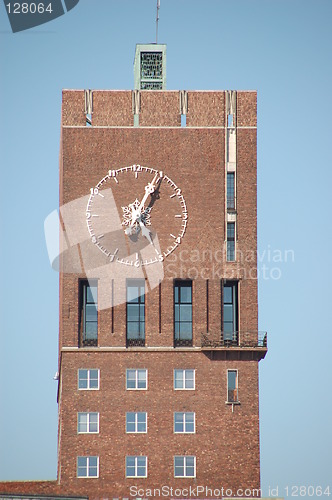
{"x": 243, "y": 338}
{"x": 88, "y": 341}
{"x": 183, "y": 342}
{"x": 138, "y": 342}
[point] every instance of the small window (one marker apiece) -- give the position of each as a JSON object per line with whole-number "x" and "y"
{"x": 137, "y": 379}
{"x": 184, "y": 379}
{"x": 135, "y": 313}
{"x": 184, "y": 423}
{"x": 230, "y": 120}
{"x": 183, "y": 120}
{"x": 231, "y": 190}
{"x": 89, "y": 314}
{"x": 183, "y": 326}
{"x": 87, "y": 466}
{"x": 88, "y": 379}
{"x": 230, "y": 313}
{"x": 185, "y": 466}
{"x": 231, "y": 241}
{"x": 136, "y": 422}
{"x": 232, "y": 386}
{"x": 136, "y": 466}
{"x": 88, "y": 423}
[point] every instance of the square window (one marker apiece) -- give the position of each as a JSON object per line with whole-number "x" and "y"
{"x": 88, "y": 379}
{"x": 136, "y": 466}
{"x": 184, "y": 379}
{"x": 136, "y": 379}
{"x": 88, "y": 466}
{"x": 136, "y": 422}
{"x": 88, "y": 423}
{"x": 185, "y": 466}
{"x": 184, "y": 423}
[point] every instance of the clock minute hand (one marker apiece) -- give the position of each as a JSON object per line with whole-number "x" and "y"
{"x": 149, "y": 189}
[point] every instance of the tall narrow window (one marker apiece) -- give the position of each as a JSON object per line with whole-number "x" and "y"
{"x": 135, "y": 313}
{"x": 232, "y": 386}
{"x": 230, "y": 313}
{"x": 231, "y": 190}
{"x": 183, "y": 327}
{"x": 230, "y": 241}
{"x": 89, "y": 314}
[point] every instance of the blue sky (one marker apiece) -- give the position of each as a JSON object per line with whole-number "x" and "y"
{"x": 281, "y": 48}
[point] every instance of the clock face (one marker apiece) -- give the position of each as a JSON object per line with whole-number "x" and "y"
{"x": 136, "y": 215}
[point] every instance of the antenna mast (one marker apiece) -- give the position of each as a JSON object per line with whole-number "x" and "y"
{"x": 157, "y": 20}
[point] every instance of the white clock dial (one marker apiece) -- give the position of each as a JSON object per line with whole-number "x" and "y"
{"x": 136, "y": 215}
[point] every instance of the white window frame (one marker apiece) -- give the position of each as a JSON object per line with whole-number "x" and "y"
{"x": 88, "y": 422}
{"x": 184, "y": 379}
{"x": 87, "y": 467}
{"x": 136, "y": 457}
{"x": 184, "y": 413}
{"x": 88, "y": 380}
{"x": 136, "y": 379}
{"x": 237, "y": 386}
{"x": 185, "y": 457}
{"x": 136, "y": 422}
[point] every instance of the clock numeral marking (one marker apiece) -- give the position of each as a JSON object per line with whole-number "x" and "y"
{"x": 178, "y": 192}
{"x": 178, "y": 240}
{"x": 179, "y": 216}
{"x": 100, "y": 236}
{"x": 172, "y": 195}
{"x": 94, "y": 190}
{"x": 94, "y": 239}
{"x": 112, "y": 256}
{"x": 172, "y": 235}
{"x": 88, "y": 215}
{"x": 95, "y": 215}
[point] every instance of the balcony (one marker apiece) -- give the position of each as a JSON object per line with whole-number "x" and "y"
{"x": 242, "y": 339}
{"x": 88, "y": 340}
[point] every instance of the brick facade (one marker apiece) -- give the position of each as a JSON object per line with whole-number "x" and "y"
{"x": 226, "y": 441}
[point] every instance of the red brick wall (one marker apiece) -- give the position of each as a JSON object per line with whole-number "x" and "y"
{"x": 226, "y": 443}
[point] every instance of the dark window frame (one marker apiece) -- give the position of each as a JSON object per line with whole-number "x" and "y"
{"x": 230, "y": 190}
{"x": 185, "y": 341}
{"x": 229, "y": 327}
{"x": 136, "y": 339}
{"x": 87, "y": 339}
{"x": 230, "y": 250}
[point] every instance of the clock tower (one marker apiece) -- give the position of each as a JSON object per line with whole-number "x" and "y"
{"x": 159, "y": 343}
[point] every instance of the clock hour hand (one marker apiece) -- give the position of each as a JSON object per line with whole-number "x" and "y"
{"x": 145, "y": 232}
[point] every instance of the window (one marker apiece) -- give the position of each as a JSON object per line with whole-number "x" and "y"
{"x": 136, "y": 422}
{"x": 230, "y": 313}
{"x": 232, "y": 387}
{"x": 137, "y": 379}
{"x": 184, "y": 379}
{"x": 231, "y": 190}
{"x": 136, "y": 466}
{"x": 88, "y": 423}
{"x": 231, "y": 241}
{"x": 89, "y": 314}
{"x": 185, "y": 466}
{"x": 183, "y": 313}
{"x": 88, "y": 379}
{"x": 135, "y": 313}
{"x": 184, "y": 423}
{"x": 87, "y": 466}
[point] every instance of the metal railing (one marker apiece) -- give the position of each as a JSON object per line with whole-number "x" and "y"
{"x": 183, "y": 342}
{"x": 242, "y": 338}
{"x": 138, "y": 342}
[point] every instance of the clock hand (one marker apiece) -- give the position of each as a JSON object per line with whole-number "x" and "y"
{"x": 149, "y": 189}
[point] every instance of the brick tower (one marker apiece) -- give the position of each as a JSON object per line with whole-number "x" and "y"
{"x": 159, "y": 343}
